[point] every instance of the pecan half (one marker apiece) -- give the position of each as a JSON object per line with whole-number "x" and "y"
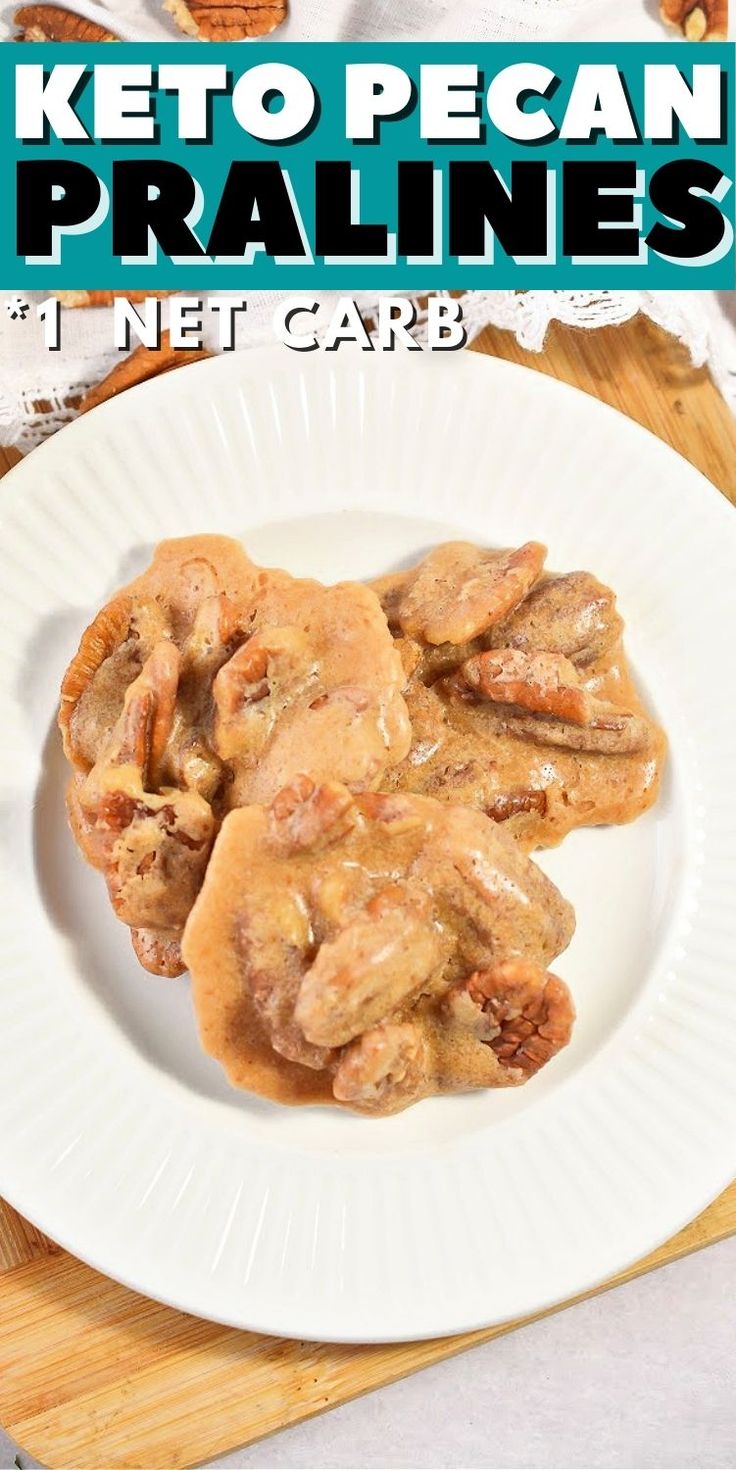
{"x": 521, "y": 1011}
{"x": 611, "y": 732}
{"x": 382, "y": 958}
{"x": 699, "y": 20}
{"x": 151, "y": 842}
{"x": 54, "y": 23}
{"x": 573, "y": 614}
{"x": 545, "y": 683}
{"x": 305, "y": 815}
{"x": 144, "y": 727}
{"x": 460, "y": 590}
{"x": 263, "y": 676}
{"x": 539, "y": 697}
{"x": 227, "y": 20}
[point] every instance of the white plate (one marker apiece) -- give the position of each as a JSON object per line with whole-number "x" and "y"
{"x": 117, "y": 1136}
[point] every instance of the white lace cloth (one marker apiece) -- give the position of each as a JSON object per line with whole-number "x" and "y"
{"x": 396, "y": 20}
{"x": 35, "y": 384}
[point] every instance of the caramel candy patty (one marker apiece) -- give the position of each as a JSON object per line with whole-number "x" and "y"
{"x": 527, "y": 709}
{"x": 208, "y": 683}
{"x": 374, "y": 949}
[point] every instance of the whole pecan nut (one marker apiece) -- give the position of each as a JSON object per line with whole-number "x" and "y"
{"x": 227, "y": 20}
{"x": 699, "y": 20}
{"x": 54, "y": 23}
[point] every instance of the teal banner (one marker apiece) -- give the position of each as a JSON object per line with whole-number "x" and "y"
{"x": 349, "y": 167}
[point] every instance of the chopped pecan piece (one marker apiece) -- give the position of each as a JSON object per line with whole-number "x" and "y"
{"x": 385, "y": 1069}
{"x": 227, "y": 20}
{"x": 157, "y": 953}
{"x": 699, "y": 20}
{"x": 459, "y": 591}
{"x": 514, "y": 803}
{"x": 391, "y": 810}
{"x": 156, "y": 864}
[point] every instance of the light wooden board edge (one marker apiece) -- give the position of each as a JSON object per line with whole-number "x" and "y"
{"x": 641, "y": 370}
{"x": 93, "y": 1376}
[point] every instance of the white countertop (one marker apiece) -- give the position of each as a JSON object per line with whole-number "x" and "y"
{"x": 643, "y": 1376}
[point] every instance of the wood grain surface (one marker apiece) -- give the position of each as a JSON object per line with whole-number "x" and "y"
{"x": 94, "y": 1376}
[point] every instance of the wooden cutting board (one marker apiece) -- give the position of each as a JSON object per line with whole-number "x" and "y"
{"x": 92, "y": 1375}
